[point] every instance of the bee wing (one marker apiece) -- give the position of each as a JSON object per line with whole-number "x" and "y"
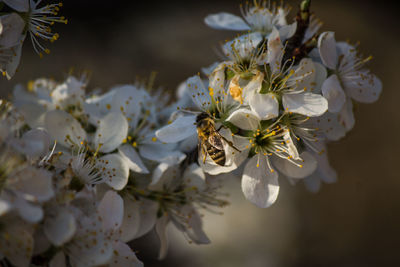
{"x": 216, "y": 141}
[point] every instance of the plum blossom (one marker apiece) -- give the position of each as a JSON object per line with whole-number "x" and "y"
{"x": 256, "y": 18}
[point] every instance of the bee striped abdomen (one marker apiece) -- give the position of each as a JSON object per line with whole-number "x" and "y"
{"x": 217, "y": 155}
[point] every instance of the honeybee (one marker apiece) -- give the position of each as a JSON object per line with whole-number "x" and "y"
{"x": 210, "y": 140}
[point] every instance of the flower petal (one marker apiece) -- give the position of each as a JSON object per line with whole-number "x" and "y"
{"x": 116, "y": 171}
{"x": 178, "y": 130}
{"x": 129, "y": 100}
{"x": 194, "y": 228}
{"x": 58, "y": 260}
{"x": 287, "y": 31}
{"x": 161, "y": 230}
{"x": 124, "y": 256}
{"x": 111, "y": 210}
{"x": 244, "y": 119}
{"x": 334, "y": 93}
{"x": 265, "y": 105}
{"x": 148, "y": 216}
{"x": 320, "y": 77}
{"x": 226, "y": 21}
{"x": 307, "y": 166}
{"x": 64, "y": 128}
{"x": 131, "y": 220}
{"x": 259, "y": 182}
{"x": 159, "y": 153}
{"x": 34, "y": 143}
{"x": 34, "y": 184}
{"x": 11, "y": 27}
{"x": 327, "y": 49}
{"x": 111, "y": 132}
{"x": 275, "y": 51}
{"x": 132, "y": 158}
{"x": 366, "y": 88}
{"x": 307, "y": 104}
{"x": 16, "y": 243}
{"x": 18, "y": 5}
{"x": 60, "y": 227}
{"x": 199, "y": 94}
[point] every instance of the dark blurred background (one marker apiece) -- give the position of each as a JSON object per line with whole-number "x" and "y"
{"x": 355, "y": 222}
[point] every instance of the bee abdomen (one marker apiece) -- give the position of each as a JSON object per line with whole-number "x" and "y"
{"x": 217, "y": 155}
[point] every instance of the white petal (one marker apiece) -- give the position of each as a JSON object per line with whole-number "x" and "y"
{"x": 34, "y": 143}
{"x": 194, "y": 176}
{"x": 161, "y": 230}
{"x": 217, "y": 81}
{"x": 132, "y": 158}
{"x": 64, "y": 128}
{"x": 303, "y": 78}
{"x": 194, "y": 229}
{"x": 320, "y": 77}
{"x": 124, "y": 256}
{"x": 327, "y": 49}
{"x": 244, "y": 119}
{"x": 60, "y": 227}
{"x": 199, "y": 94}
{"x": 275, "y": 51}
{"x": 178, "y": 130}
{"x": 112, "y": 130}
{"x": 254, "y": 86}
{"x": 18, "y": 5}
{"x": 325, "y": 171}
{"x": 5, "y": 207}
{"x": 117, "y": 171}
{"x": 265, "y": 105}
{"x": 27, "y": 211}
{"x": 35, "y": 184}
{"x": 312, "y": 183}
{"x": 366, "y": 88}
{"x": 148, "y": 216}
{"x": 70, "y": 92}
{"x": 10, "y": 64}
{"x": 226, "y": 21}
{"x": 287, "y": 31}
{"x": 334, "y": 93}
{"x": 97, "y": 107}
{"x": 90, "y": 246}
{"x": 308, "y": 104}
{"x": 58, "y": 260}
{"x": 158, "y": 153}
{"x": 159, "y": 176}
{"x": 291, "y": 146}
{"x": 16, "y": 243}
{"x": 329, "y": 124}
{"x": 346, "y": 115}
{"x": 11, "y": 27}
{"x": 242, "y": 46}
{"x": 111, "y": 210}
{"x": 33, "y": 113}
{"x": 259, "y": 183}
{"x": 131, "y": 221}
{"x": 129, "y": 100}
{"x": 308, "y": 165}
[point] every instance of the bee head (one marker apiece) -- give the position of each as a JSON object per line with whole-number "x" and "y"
{"x": 201, "y": 118}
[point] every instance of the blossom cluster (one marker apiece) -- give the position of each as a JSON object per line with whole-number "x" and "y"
{"x": 83, "y": 173}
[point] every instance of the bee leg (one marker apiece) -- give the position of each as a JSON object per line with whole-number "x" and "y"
{"x": 205, "y": 154}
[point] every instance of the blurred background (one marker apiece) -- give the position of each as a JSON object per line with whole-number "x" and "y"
{"x": 355, "y": 222}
